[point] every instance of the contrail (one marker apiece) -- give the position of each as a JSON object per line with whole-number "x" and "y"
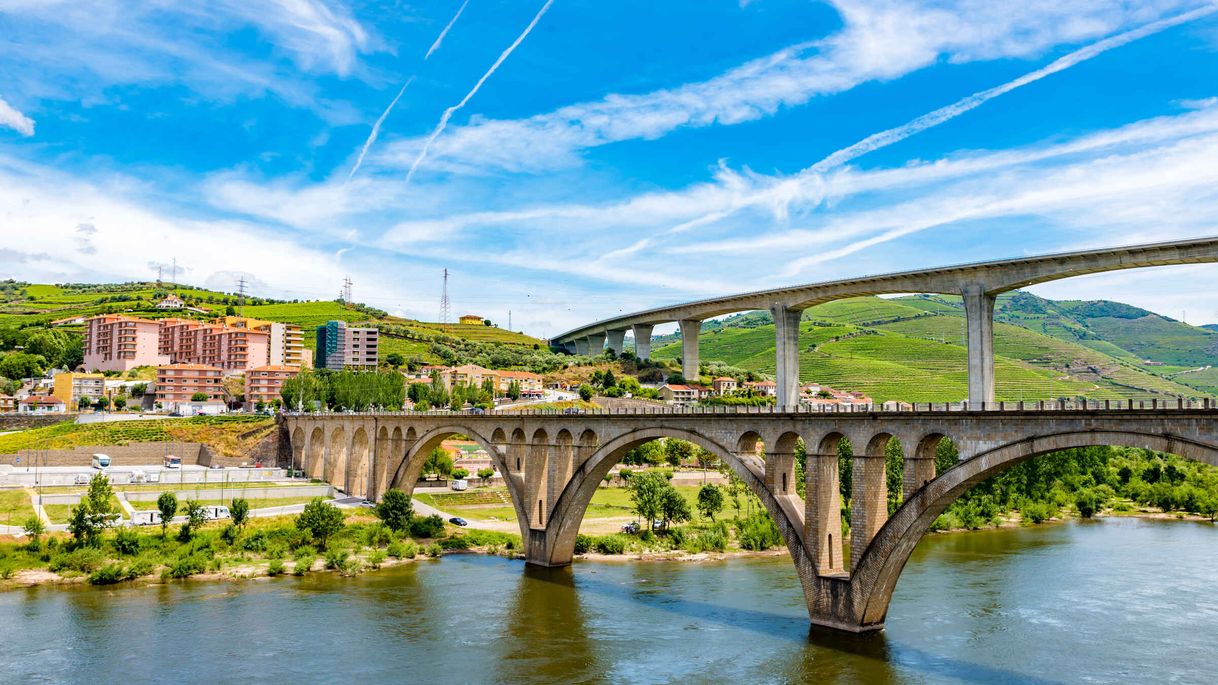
{"x": 376, "y": 129}
{"x": 440, "y": 38}
{"x": 448, "y": 113}
{"x": 939, "y": 116}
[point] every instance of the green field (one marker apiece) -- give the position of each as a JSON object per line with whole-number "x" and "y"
{"x": 256, "y": 503}
{"x": 231, "y": 434}
{"x": 607, "y": 503}
{"x": 15, "y": 507}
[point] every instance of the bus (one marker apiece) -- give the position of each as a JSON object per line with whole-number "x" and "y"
{"x": 172, "y": 462}
{"x": 101, "y": 461}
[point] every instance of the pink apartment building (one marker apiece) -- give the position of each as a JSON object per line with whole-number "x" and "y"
{"x": 120, "y": 343}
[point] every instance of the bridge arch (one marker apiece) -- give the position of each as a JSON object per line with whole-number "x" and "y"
{"x": 875, "y": 576}
{"x": 336, "y": 457}
{"x": 406, "y": 472}
{"x": 357, "y": 463}
{"x": 568, "y": 511}
{"x": 315, "y": 453}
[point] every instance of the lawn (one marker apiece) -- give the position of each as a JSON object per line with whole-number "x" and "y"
{"x": 15, "y": 507}
{"x": 223, "y": 433}
{"x": 257, "y": 503}
{"x": 607, "y": 503}
{"x": 60, "y": 513}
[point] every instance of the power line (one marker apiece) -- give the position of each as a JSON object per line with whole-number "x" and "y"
{"x": 445, "y": 305}
{"x": 347, "y": 291}
{"x": 241, "y": 294}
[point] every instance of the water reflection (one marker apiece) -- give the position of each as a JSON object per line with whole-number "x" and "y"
{"x": 546, "y": 631}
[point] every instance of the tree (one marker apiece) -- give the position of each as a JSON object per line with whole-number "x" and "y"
{"x": 195, "y": 518}
{"x": 120, "y": 403}
{"x": 459, "y": 474}
{"x": 514, "y": 390}
{"x": 230, "y": 310}
{"x": 710, "y": 500}
{"x": 320, "y": 520}
{"x": 18, "y": 365}
{"x": 239, "y": 509}
{"x": 585, "y": 392}
{"x": 34, "y": 527}
{"x": 647, "y": 495}
{"x": 91, "y": 517}
{"x": 167, "y": 504}
{"x": 678, "y": 451}
{"x": 673, "y": 506}
{"x": 395, "y": 509}
{"x": 486, "y": 474}
{"x": 395, "y": 359}
{"x": 199, "y": 397}
{"x": 418, "y": 392}
{"x": 439, "y": 463}
{"x": 1209, "y": 507}
{"x": 607, "y": 380}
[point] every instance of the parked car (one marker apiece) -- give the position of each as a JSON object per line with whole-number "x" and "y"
{"x": 81, "y": 479}
{"x": 458, "y": 521}
{"x": 631, "y": 528}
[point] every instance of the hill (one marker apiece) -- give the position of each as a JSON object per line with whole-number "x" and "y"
{"x": 913, "y": 348}
{"x": 31, "y": 305}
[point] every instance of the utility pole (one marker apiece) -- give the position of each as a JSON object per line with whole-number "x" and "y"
{"x": 445, "y": 305}
{"x": 159, "y": 267}
{"x": 241, "y": 295}
{"x": 347, "y": 291}
{"x": 509, "y": 319}
{"x": 173, "y": 274}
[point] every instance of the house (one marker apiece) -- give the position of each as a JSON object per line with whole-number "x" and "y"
{"x": 470, "y": 320}
{"x": 171, "y": 301}
{"x": 178, "y": 384}
{"x": 724, "y": 385}
{"x": 8, "y": 404}
{"x": 70, "y": 388}
{"x": 68, "y": 321}
{"x": 531, "y": 385}
{"x": 763, "y": 388}
{"x": 42, "y": 404}
{"x": 679, "y": 394}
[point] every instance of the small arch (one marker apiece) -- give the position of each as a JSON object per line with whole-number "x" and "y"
{"x": 499, "y": 437}
{"x": 780, "y": 465}
{"x": 316, "y": 454}
{"x": 750, "y": 443}
{"x": 357, "y": 474}
{"x": 298, "y": 448}
{"x": 928, "y": 446}
{"x": 336, "y": 458}
{"x": 516, "y": 450}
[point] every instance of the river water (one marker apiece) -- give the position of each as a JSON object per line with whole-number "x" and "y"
{"x": 1111, "y": 601}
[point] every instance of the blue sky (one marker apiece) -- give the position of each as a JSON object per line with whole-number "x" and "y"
{"x": 608, "y": 156}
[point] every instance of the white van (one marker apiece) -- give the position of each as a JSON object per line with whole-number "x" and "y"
{"x": 172, "y": 462}
{"x": 151, "y": 517}
{"x": 216, "y": 512}
{"x": 460, "y": 484}
{"x": 101, "y": 461}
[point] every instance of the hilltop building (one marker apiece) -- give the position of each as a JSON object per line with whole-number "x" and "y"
{"x": 340, "y": 346}
{"x": 470, "y": 320}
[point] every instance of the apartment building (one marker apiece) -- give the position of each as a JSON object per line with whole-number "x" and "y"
{"x": 341, "y": 346}
{"x": 119, "y": 343}
{"x": 264, "y": 383}
{"x": 69, "y": 388}
{"x": 286, "y": 342}
{"x": 178, "y": 383}
{"x": 531, "y": 384}
{"x": 185, "y": 341}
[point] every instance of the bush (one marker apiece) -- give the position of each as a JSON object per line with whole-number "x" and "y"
{"x": 305, "y": 556}
{"x": 428, "y": 527}
{"x": 256, "y": 541}
{"x": 611, "y": 544}
{"x": 108, "y": 575}
{"x": 583, "y": 543}
{"x": 275, "y": 568}
{"x": 1087, "y": 502}
{"x": 378, "y": 535}
{"x": 713, "y": 539}
{"x": 758, "y": 532}
{"x": 127, "y": 542}
{"x": 403, "y": 550}
{"x": 434, "y": 550}
{"x": 1038, "y": 512}
{"x": 455, "y": 542}
{"x": 83, "y": 560}
{"x": 140, "y": 567}
{"x": 395, "y": 509}
{"x": 376, "y": 559}
{"x": 187, "y": 566}
{"x": 229, "y": 534}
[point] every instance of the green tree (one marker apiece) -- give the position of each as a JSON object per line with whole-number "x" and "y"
{"x": 486, "y": 474}
{"x": 673, "y": 507}
{"x": 34, "y": 527}
{"x": 460, "y": 474}
{"x": 608, "y": 380}
{"x": 514, "y": 390}
{"x": 230, "y": 310}
{"x": 710, "y": 500}
{"x": 91, "y": 517}
{"x": 395, "y": 359}
{"x": 586, "y": 392}
{"x": 439, "y": 463}
{"x": 18, "y": 365}
{"x": 167, "y": 504}
{"x": 120, "y": 403}
{"x": 395, "y": 509}
{"x": 678, "y": 451}
{"x": 199, "y": 397}
{"x": 647, "y": 495}
{"x": 239, "y": 510}
{"x": 195, "y": 518}
{"x": 320, "y": 520}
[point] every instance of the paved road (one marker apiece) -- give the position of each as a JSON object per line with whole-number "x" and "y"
{"x": 422, "y": 509}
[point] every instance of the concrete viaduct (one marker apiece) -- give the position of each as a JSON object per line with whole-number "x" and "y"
{"x": 553, "y": 463}
{"x": 978, "y": 284}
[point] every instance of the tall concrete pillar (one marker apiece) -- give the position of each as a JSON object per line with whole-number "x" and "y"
{"x": 979, "y": 315}
{"x": 690, "y": 328}
{"x": 617, "y": 341}
{"x": 786, "y": 347}
{"x": 642, "y": 341}
{"x": 581, "y": 346}
{"x": 596, "y": 344}
{"x": 823, "y": 514}
{"x": 868, "y": 503}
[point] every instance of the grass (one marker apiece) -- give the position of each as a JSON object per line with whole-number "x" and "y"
{"x": 607, "y": 503}
{"x": 60, "y": 513}
{"x": 231, "y": 435}
{"x": 255, "y": 503}
{"x": 15, "y": 507}
{"x": 168, "y": 482}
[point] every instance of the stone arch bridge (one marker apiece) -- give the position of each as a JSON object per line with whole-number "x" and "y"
{"x": 553, "y": 463}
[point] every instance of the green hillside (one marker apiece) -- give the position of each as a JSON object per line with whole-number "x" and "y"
{"x": 913, "y": 349}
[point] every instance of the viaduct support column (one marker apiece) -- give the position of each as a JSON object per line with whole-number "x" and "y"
{"x": 823, "y": 514}
{"x": 786, "y": 330}
{"x": 868, "y": 502}
{"x": 979, "y": 313}
{"x": 642, "y": 341}
{"x": 581, "y": 346}
{"x": 690, "y": 328}
{"x": 596, "y": 344}
{"x": 919, "y": 470}
{"x": 617, "y": 341}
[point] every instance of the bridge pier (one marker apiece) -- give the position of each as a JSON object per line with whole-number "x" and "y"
{"x": 786, "y": 348}
{"x": 823, "y": 513}
{"x": 596, "y": 344}
{"x": 868, "y": 501}
{"x": 642, "y": 340}
{"x": 690, "y": 328}
{"x": 979, "y": 316}
{"x": 617, "y": 341}
{"x": 581, "y": 346}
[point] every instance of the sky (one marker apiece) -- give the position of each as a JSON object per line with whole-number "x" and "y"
{"x": 571, "y": 160}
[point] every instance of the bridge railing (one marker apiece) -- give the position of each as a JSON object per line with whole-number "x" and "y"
{"x": 1063, "y": 405}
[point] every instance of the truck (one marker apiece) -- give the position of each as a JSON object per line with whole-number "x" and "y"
{"x": 460, "y": 484}
{"x": 216, "y": 512}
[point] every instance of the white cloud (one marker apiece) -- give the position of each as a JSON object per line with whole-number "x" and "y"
{"x": 881, "y": 39}
{"x": 11, "y": 118}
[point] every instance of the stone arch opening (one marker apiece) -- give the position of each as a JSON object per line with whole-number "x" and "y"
{"x": 780, "y": 465}
{"x": 336, "y": 459}
{"x": 876, "y": 575}
{"x": 823, "y": 506}
{"x": 750, "y": 443}
{"x": 568, "y": 511}
{"x": 517, "y": 448}
{"x": 315, "y": 454}
{"x": 298, "y": 449}
{"x": 357, "y": 469}
{"x": 920, "y": 464}
{"x": 587, "y": 446}
{"x": 873, "y": 478}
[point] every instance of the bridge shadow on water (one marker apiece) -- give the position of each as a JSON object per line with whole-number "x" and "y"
{"x": 552, "y": 598}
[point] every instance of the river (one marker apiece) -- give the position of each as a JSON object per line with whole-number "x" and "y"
{"x": 1110, "y": 601}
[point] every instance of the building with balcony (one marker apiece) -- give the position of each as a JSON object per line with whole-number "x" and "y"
{"x": 69, "y": 388}
{"x": 341, "y": 346}
{"x": 177, "y": 384}
{"x": 121, "y": 343}
{"x": 263, "y": 384}
{"x": 286, "y": 341}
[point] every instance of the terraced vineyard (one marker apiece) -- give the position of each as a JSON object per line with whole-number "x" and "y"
{"x": 231, "y": 435}
{"x": 913, "y": 349}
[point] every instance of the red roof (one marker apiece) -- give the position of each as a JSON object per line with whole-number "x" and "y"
{"x": 41, "y": 399}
